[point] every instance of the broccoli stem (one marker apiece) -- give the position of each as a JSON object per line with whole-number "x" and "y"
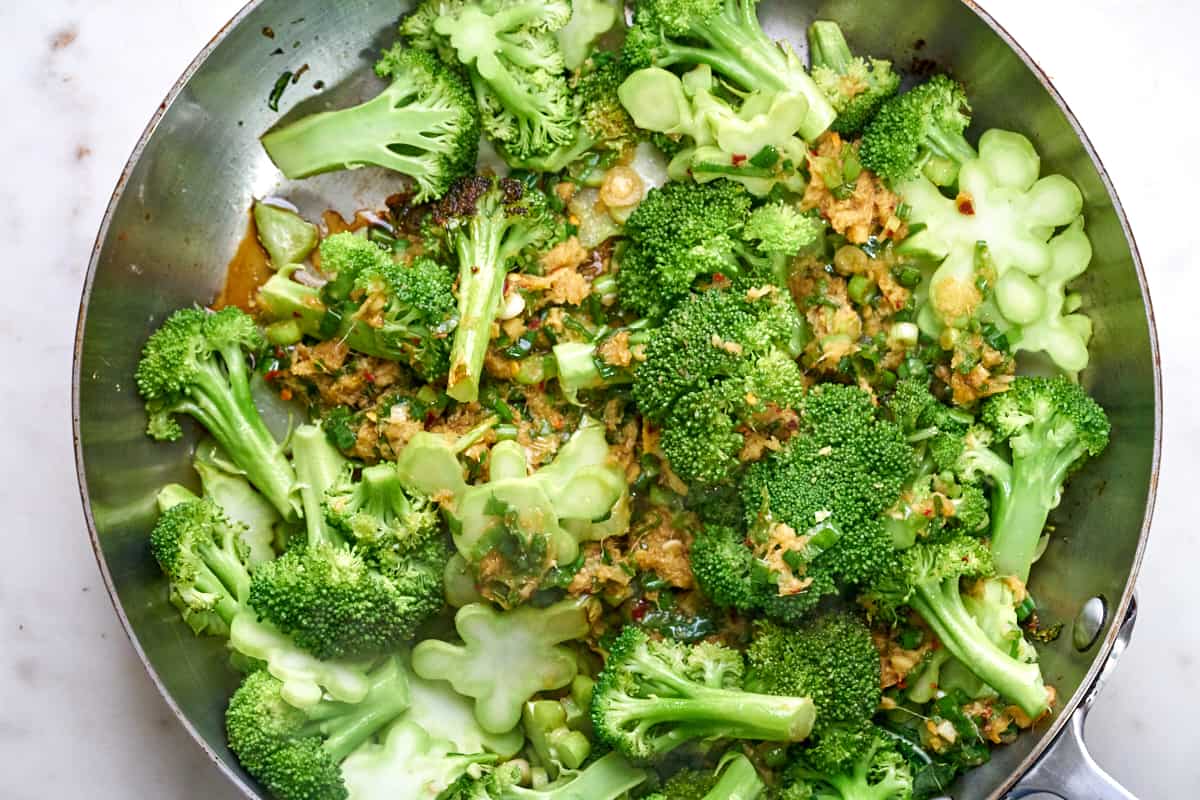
{"x": 739, "y": 781}
{"x": 827, "y": 46}
{"x": 376, "y": 132}
{"x": 348, "y": 725}
{"x": 481, "y": 274}
{"x": 318, "y": 466}
{"x": 1021, "y": 509}
{"x": 940, "y": 604}
{"x": 608, "y": 776}
{"x": 223, "y": 404}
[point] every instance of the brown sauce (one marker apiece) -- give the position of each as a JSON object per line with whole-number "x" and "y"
{"x": 248, "y": 269}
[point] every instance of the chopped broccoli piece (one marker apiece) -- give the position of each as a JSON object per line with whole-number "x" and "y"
{"x": 198, "y": 363}
{"x": 735, "y": 778}
{"x": 726, "y": 36}
{"x": 514, "y": 62}
{"x": 1000, "y": 259}
{"x": 527, "y": 641}
{"x": 921, "y": 129}
{"x": 855, "y": 86}
{"x": 297, "y": 753}
{"x": 287, "y": 237}
{"x": 407, "y": 763}
{"x": 590, "y": 19}
{"x": 424, "y": 125}
{"x": 654, "y": 696}
{"x": 926, "y": 578}
{"x": 831, "y": 659}
{"x": 859, "y": 763}
{"x": 488, "y": 223}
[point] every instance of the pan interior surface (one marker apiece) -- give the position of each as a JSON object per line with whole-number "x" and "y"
{"x": 181, "y": 209}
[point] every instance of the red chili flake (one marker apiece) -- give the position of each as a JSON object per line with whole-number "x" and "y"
{"x": 368, "y": 377}
{"x": 534, "y": 324}
{"x": 285, "y": 394}
{"x": 272, "y": 374}
{"x": 639, "y": 611}
{"x": 929, "y": 513}
{"x": 430, "y": 417}
{"x": 902, "y": 684}
{"x": 738, "y": 159}
{"x": 935, "y": 645}
{"x": 279, "y": 352}
{"x": 717, "y": 276}
{"x": 965, "y": 204}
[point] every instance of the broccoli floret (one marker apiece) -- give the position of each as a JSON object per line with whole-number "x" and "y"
{"x": 926, "y": 578}
{"x": 721, "y": 368}
{"x": 831, "y": 659}
{"x": 726, "y": 36}
{"x": 610, "y": 777}
{"x": 337, "y": 599}
{"x": 202, "y": 554}
{"x": 824, "y": 493}
{"x": 377, "y": 306}
{"x": 1001, "y": 260}
{"x": 407, "y": 763}
{"x": 654, "y": 696}
{"x": 1051, "y": 427}
{"x": 605, "y": 127}
{"x": 488, "y": 223}
{"x": 859, "y": 763}
{"x": 782, "y": 232}
{"x": 921, "y": 129}
{"x": 199, "y": 363}
{"x": 527, "y": 641}
{"x": 514, "y": 63}
{"x": 296, "y": 754}
{"x": 855, "y": 86}
{"x": 226, "y": 486}
{"x": 424, "y": 125}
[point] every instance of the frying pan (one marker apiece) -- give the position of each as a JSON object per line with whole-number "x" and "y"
{"x": 179, "y": 210}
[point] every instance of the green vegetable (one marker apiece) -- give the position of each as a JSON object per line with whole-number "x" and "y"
{"x": 855, "y": 763}
{"x": 527, "y": 641}
{"x": 287, "y": 237}
{"x": 590, "y": 19}
{"x": 855, "y": 86}
{"x": 513, "y": 60}
{"x": 297, "y": 754}
{"x": 920, "y": 130}
{"x": 1015, "y": 214}
{"x": 654, "y": 696}
{"x": 726, "y": 36}
{"x": 407, "y": 763}
{"x": 608, "y": 778}
{"x": 198, "y": 364}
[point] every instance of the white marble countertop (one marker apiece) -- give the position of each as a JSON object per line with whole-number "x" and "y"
{"x": 78, "y": 714}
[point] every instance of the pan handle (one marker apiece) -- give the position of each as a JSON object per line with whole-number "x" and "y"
{"x": 1067, "y": 769}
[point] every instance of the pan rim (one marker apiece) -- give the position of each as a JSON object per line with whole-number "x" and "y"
{"x": 1102, "y": 651}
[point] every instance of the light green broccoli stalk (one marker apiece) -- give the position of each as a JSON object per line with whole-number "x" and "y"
{"x": 1000, "y": 261}
{"x": 406, "y": 763}
{"x": 505, "y": 657}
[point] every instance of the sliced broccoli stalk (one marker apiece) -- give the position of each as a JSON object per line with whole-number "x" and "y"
{"x": 174, "y": 494}
{"x": 590, "y": 19}
{"x": 926, "y": 578}
{"x": 753, "y": 145}
{"x": 424, "y": 125}
{"x": 556, "y": 745}
{"x": 287, "y": 237}
{"x": 514, "y": 63}
{"x": 727, "y": 37}
{"x": 1004, "y": 205}
{"x": 738, "y": 780}
{"x": 407, "y": 763}
{"x": 198, "y": 364}
{"x": 296, "y": 753}
{"x": 654, "y": 696}
{"x": 429, "y": 466}
{"x": 447, "y": 715}
{"x": 527, "y": 640}
{"x": 855, "y": 86}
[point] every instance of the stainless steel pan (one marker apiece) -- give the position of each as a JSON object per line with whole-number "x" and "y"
{"x": 180, "y": 207}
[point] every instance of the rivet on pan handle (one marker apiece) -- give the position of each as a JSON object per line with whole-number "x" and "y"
{"x": 1067, "y": 769}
